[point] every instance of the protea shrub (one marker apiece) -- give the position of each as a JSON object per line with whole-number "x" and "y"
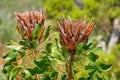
{"x": 76, "y": 60}
{"x": 73, "y": 32}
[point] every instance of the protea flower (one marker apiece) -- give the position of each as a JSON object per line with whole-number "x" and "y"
{"x": 73, "y": 32}
{"x": 28, "y": 21}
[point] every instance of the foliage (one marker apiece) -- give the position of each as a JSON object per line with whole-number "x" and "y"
{"x": 103, "y": 11}
{"x": 58, "y": 8}
{"x": 94, "y": 8}
{"x": 15, "y": 59}
{"x": 52, "y": 62}
{"x": 113, "y": 57}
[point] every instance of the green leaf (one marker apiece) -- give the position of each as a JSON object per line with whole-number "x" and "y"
{"x": 99, "y": 78}
{"x": 47, "y": 32}
{"x": 14, "y": 47}
{"x": 54, "y": 75}
{"x": 7, "y": 69}
{"x": 42, "y": 64}
{"x": 31, "y": 71}
{"x": 35, "y": 32}
{"x": 64, "y": 55}
{"x": 91, "y": 70}
{"x": 10, "y": 55}
{"x": 82, "y": 78}
{"x": 33, "y": 44}
{"x": 81, "y": 74}
{"x": 64, "y": 77}
{"x": 36, "y": 70}
{"x": 25, "y": 43}
{"x": 30, "y": 78}
{"x": 14, "y": 72}
{"x": 55, "y": 52}
{"x": 49, "y": 47}
{"x": 22, "y": 74}
{"x": 80, "y": 47}
{"x": 101, "y": 66}
{"x": 97, "y": 65}
{"x": 65, "y": 52}
{"x": 47, "y": 78}
{"x": 97, "y": 50}
{"x": 93, "y": 57}
{"x": 22, "y": 53}
{"x": 58, "y": 45}
{"x": 105, "y": 66}
{"x": 89, "y": 43}
{"x": 11, "y": 71}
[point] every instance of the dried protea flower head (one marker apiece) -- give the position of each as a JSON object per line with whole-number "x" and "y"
{"x": 28, "y": 21}
{"x": 73, "y": 32}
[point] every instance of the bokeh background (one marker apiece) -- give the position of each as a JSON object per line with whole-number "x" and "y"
{"x": 105, "y": 13}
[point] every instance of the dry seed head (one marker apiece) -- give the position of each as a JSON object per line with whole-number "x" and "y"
{"x": 27, "y": 21}
{"x": 73, "y": 32}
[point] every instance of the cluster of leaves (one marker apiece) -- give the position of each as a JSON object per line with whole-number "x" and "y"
{"x": 86, "y": 65}
{"x": 93, "y": 69}
{"x": 51, "y": 63}
{"x": 16, "y": 64}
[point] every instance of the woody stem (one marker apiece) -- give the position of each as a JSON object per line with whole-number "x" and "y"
{"x": 34, "y": 52}
{"x": 37, "y": 75}
{"x": 71, "y": 60}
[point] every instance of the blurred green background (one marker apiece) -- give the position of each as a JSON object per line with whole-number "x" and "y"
{"x": 105, "y": 13}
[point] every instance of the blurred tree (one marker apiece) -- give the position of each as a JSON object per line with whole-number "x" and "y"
{"x": 106, "y": 14}
{"x": 58, "y": 8}
{"x": 103, "y": 11}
